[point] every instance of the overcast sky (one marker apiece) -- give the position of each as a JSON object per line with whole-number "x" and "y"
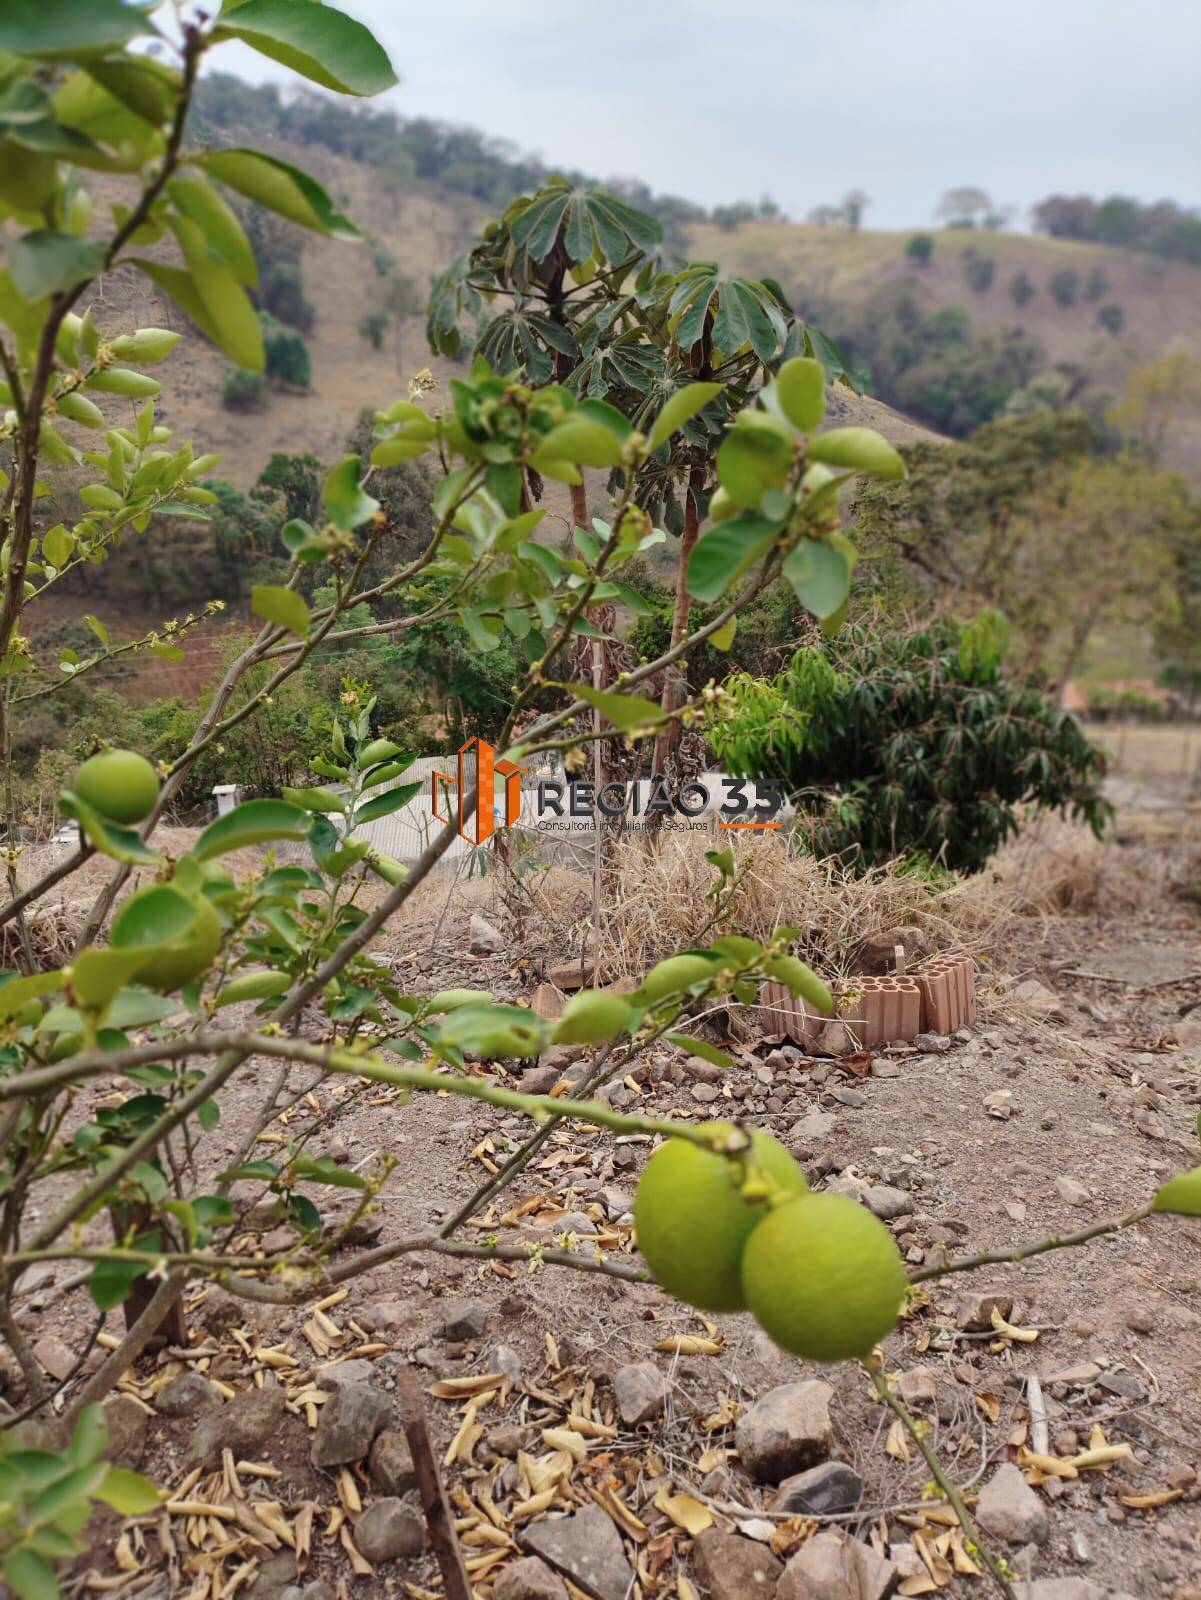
{"x": 727, "y": 99}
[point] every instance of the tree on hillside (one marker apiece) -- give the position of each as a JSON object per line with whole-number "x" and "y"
{"x": 1158, "y": 395}
{"x": 964, "y": 207}
{"x": 854, "y": 204}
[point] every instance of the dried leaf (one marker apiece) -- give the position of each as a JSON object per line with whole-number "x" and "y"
{"x": 684, "y": 1511}
{"x": 1147, "y": 1502}
{"x": 1008, "y": 1331}
{"x": 1049, "y": 1466}
{"x": 989, "y": 1404}
{"x": 567, "y": 1439}
{"x": 359, "y": 1564}
{"x": 688, "y": 1344}
{"x": 897, "y": 1442}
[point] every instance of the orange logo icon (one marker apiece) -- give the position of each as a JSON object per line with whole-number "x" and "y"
{"x": 478, "y": 770}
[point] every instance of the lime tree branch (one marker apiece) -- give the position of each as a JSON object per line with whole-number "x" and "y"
{"x": 1024, "y": 1252}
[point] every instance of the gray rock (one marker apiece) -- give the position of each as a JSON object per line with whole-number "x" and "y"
{"x": 1009, "y": 1509}
{"x": 823, "y": 1490}
{"x": 275, "y": 1577}
{"x": 390, "y": 1463}
{"x": 538, "y": 1080}
{"x": 319, "y": 1589}
{"x": 484, "y": 939}
{"x": 888, "y": 1202}
{"x": 388, "y": 1530}
{"x": 464, "y": 1319}
{"x": 975, "y": 1310}
{"x": 831, "y": 1567}
{"x": 529, "y": 1579}
{"x": 190, "y": 1392}
{"x": 246, "y": 1424}
{"x": 577, "y": 1222}
{"x": 834, "y": 1040}
{"x": 705, "y": 1093}
{"x": 918, "y": 1386}
{"x": 507, "y": 1360}
{"x": 348, "y": 1424}
{"x": 882, "y": 1068}
{"x": 933, "y": 1043}
{"x": 337, "y": 1374}
{"x": 506, "y": 1439}
{"x": 585, "y": 1547}
{"x": 877, "y": 953}
{"x": 126, "y": 1423}
{"x": 1039, "y": 1001}
{"x": 1074, "y": 1193}
{"x": 812, "y": 1128}
{"x": 732, "y": 1568}
{"x": 786, "y": 1430}
{"x": 641, "y": 1391}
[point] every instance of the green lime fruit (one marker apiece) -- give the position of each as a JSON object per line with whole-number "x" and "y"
{"x": 823, "y": 1277}
{"x": 184, "y": 933}
{"x": 692, "y": 1221}
{"x": 592, "y": 1017}
{"x": 120, "y": 784}
{"x": 674, "y": 974}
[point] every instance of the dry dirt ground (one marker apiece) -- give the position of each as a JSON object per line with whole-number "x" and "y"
{"x": 1099, "y": 1099}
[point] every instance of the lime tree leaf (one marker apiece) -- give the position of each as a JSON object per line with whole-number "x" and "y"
{"x": 46, "y": 262}
{"x": 680, "y": 408}
{"x": 481, "y": 635}
{"x": 820, "y": 576}
{"x": 316, "y": 799}
{"x": 97, "y": 975}
{"x": 702, "y": 1048}
{"x": 129, "y": 1493}
{"x": 347, "y": 503}
{"x": 583, "y": 442}
{"x": 322, "y": 44}
{"x": 122, "y": 844}
{"x": 18, "y": 992}
{"x": 249, "y": 1170}
{"x": 178, "y": 285}
{"x": 324, "y": 1169}
{"x": 382, "y": 805}
{"x": 197, "y": 199}
{"x": 239, "y": 332}
{"x": 261, "y": 985}
{"x": 863, "y": 449}
{"x": 725, "y": 552}
{"x": 110, "y": 1282}
{"x": 801, "y": 392}
{"x": 1181, "y": 1194}
{"x": 282, "y": 606}
{"x": 63, "y": 29}
{"x": 622, "y": 710}
{"x": 279, "y": 187}
{"x": 253, "y": 822}
{"x": 27, "y": 1574}
{"x": 750, "y": 461}
{"x": 722, "y": 638}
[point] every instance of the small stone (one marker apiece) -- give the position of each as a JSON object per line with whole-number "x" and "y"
{"x": 464, "y": 1319}
{"x": 851, "y": 1097}
{"x": 586, "y": 1547}
{"x": 933, "y": 1043}
{"x": 507, "y": 1360}
{"x": 705, "y": 1093}
{"x": 529, "y": 1579}
{"x": 823, "y": 1490}
{"x": 1074, "y": 1193}
{"x": 887, "y": 1202}
{"x": 831, "y": 1567}
{"x": 126, "y": 1423}
{"x": 918, "y": 1386}
{"x": 548, "y": 1002}
{"x": 707, "y": 1071}
{"x": 732, "y": 1568}
{"x": 641, "y": 1391}
{"x": 336, "y": 1374}
{"x": 538, "y": 1080}
{"x": 1077, "y": 1377}
{"x": 390, "y": 1464}
{"x": 812, "y": 1128}
{"x": 484, "y": 939}
{"x": 572, "y": 974}
{"x": 1126, "y": 1384}
{"x": 877, "y": 953}
{"x": 1140, "y": 1320}
{"x": 1078, "y": 1545}
{"x": 1009, "y": 1509}
{"x": 348, "y": 1424}
{"x": 834, "y": 1040}
{"x": 786, "y": 1430}
{"x": 975, "y": 1310}
{"x": 275, "y": 1577}
{"x": 55, "y": 1357}
{"x": 506, "y": 1439}
{"x": 190, "y": 1392}
{"x": 387, "y": 1530}
{"x": 1039, "y": 1001}
{"x": 999, "y": 1104}
{"x": 245, "y": 1424}
{"x": 883, "y": 1068}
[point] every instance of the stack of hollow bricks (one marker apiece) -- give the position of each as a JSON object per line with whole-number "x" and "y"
{"x": 938, "y": 997}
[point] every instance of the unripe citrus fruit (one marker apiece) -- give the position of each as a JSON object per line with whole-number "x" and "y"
{"x": 674, "y": 974}
{"x": 592, "y": 1018}
{"x": 119, "y": 784}
{"x": 692, "y": 1222}
{"x": 185, "y": 934}
{"x": 823, "y": 1277}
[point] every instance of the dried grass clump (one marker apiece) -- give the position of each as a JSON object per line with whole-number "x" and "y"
{"x": 658, "y": 903}
{"x": 1059, "y": 868}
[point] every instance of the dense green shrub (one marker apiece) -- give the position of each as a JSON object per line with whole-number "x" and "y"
{"x": 1095, "y": 284}
{"x": 281, "y": 293}
{"x": 242, "y": 390}
{"x": 1021, "y": 288}
{"x": 1064, "y": 286}
{"x": 287, "y": 354}
{"x": 919, "y": 248}
{"x": 912, "y": 743}
{"x": 979, "y": 271}
{"x": 1111, "y": 317}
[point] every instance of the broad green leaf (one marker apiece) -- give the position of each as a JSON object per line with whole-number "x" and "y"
{"x": 726, "y": 552}
{"x": 284, "y": 607}
{"x": 261, "y": 985}
{"x": 129, "y": 1493}
{"x": 347, "y": 503}
{"x": 701, "y": 1047}
{"x": 122, "y": 844}
{"x": 751, "y": 460}
{"x": 491, "y": 1031}
{"x": 481, "y": 636}
{"x": 680, "y": 408}
{"x": 451, "y": 999}
{"x": 801, "y": 391}
{"x": 315, "y": 799}
{"x": 279, "y": 187}
{"x": 64, "y": 29}
{"x": 16, "y": 994}
{"x": 382, "y": 805}
{"x": 253, "y": 822}
{"x": 622, "y": 710}
{"x": 199, "y": 201}
{"x": 322, "y": 44}
{"x": 179, "y": 286}
{"x": 1181, "y": 1194}
{"x": 722, "y": 638}
{"x": 97, "y": 975}
{"x": 582, "y": 442}
{"x": 110, "y": 1282}
{"x": 820, "y": 576}
{"x": 25, "y": 1572}
{"x": 860, "y": 448}
{"x": 46, "y": 262}
{"x": 239, "y": 332}
{"x": 77, "y": 1485}
{"x": 324, "y": 1169}
{"x": 801, "y": 980}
